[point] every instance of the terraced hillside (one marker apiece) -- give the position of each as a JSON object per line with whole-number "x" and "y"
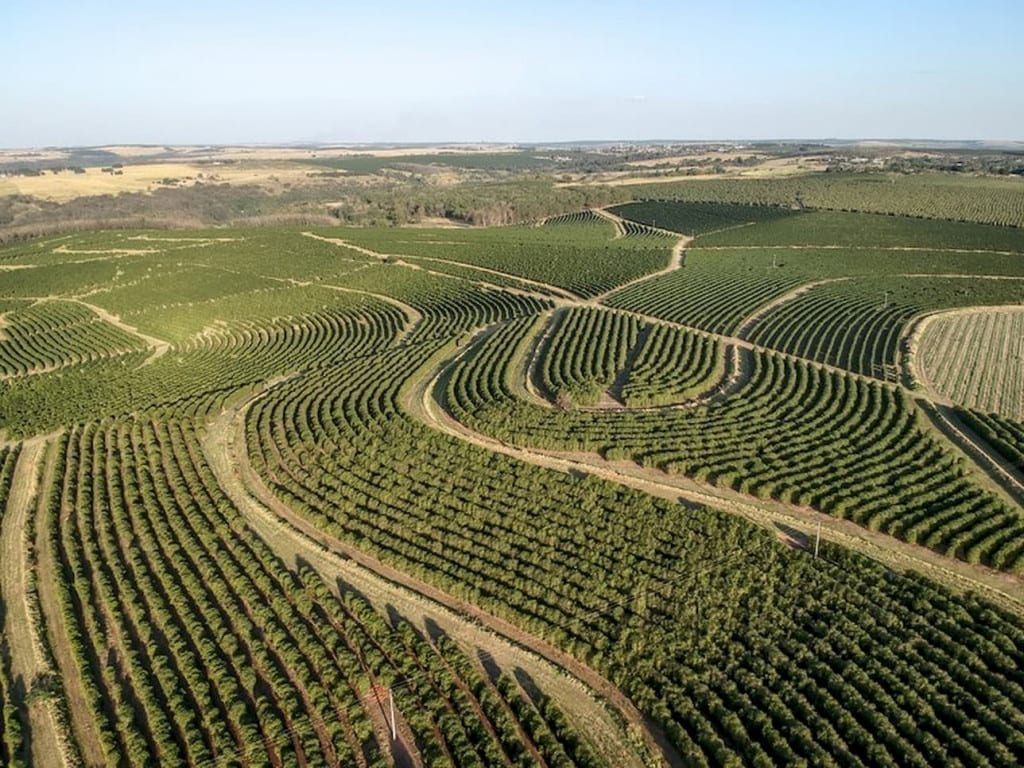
{"x": 582, "y": 493}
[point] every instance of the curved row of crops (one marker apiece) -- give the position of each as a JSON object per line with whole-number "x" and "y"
{"x": 196, "y": 645}
{"x": 588, "y": 354}
{"x": 224, "y": 357}
{"x": 868, "y": 230}
{"x": 579, "y": 217}
{"x": 230, "y": 347}
{"x": 857, "y": 324}
{"x": 730, "y": 641}
{"x": 706, "y": 296}
{"x": 1003, "y": 434}
{"x": 636, "y": 230}
{"x": 956, "y": 197}
{"x": 11, "y": 741}
{"x": 586, "y": 350}
{"x": 699, "y": 217}
{"x": 580, "y": 257}
{"x": 53, "y": 334}
{"x": 671, "y": 366}
{"x": 848, "y": 326}
{"x": 976, "y": 358}
{"x": 794, "y": 432}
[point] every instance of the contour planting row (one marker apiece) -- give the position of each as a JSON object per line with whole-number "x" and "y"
{"x": 671, "y": 366}
{"x": 853, "y": 329}
{"x": 586, "y": 350}
{"x": 697, "y": 218}
{"x": 579, "y": 217}
{"x": 956, "y": 197}
{"x": 794, "y": 432}
{"x": 11, "y": 738}
{"x": 868, "y": 230}
{"x": 710, "y": 293}
{"x": 588, "y": 353}
{"x": 224, "y": 357}
{"x": 580, "y": 257}
{"x": 196, "y": 645}
{"x": 53, "y": 334}
{"x": 1005, "y": 435}
{"x": 857, "y": 324}
{"x": 666, "y": 601}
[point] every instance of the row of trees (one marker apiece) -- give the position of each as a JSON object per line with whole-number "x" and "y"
{"x": 685, "y": 610}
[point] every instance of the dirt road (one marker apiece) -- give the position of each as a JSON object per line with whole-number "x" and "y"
{"x": 292, "y": 537}
{"x": 28, "y": 661}
{"x": 425, "y": 402}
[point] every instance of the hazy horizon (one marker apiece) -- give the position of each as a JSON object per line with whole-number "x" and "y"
{"x": 94, "y": 74}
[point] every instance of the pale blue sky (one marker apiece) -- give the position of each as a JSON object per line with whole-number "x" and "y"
{"x": 85, "y": 72}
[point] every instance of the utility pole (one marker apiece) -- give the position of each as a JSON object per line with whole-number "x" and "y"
{"x": 885, "y": 299}
{"x": 391, "y": 706}
{"x": 817, "y": 540}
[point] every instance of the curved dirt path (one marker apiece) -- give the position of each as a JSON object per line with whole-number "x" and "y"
{"x": 159, "y": 346}
{"x": 21, "y": 630}
{"x": 748, "y": 323}
{"x": 676, "y": 260}
{"x": 293, "y": 537}
{"x": 426, "y": 403}
{"x": 616, "y": 221}
{"x": 560, "y": 293}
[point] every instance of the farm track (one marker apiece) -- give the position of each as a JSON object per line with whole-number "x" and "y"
{"x": 78, "y": 706}
{"x": 159, "y": 346}
{"x": 294, "y": 538}
{"x": 617, "y": 222}
{"x": 428, "y": 405}
{"x": 559, "y": 292}
{"x": 27, "y": 656}
{"x": 748, "y": 323}
{"x": 676, "y": 260}
{"x": 987, "y": 463}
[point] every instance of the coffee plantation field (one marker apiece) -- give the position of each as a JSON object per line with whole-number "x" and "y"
{"x": 658, "y": 484}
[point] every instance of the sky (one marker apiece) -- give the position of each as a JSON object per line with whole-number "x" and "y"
{"x": 86, "y": 73}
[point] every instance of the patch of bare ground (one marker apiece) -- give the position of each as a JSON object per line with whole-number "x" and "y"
{"x": 576, "y": 688}
{"x": 46, "y": 744}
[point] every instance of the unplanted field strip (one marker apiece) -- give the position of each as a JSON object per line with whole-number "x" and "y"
{"x": 25, "y": 647}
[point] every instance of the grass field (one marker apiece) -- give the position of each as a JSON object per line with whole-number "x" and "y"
{"x": 533, "y": 495}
